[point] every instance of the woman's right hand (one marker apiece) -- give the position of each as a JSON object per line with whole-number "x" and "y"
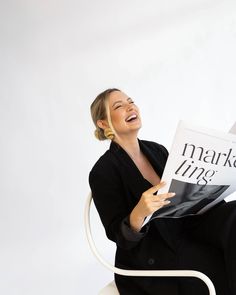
{"x": 148, "y": 204}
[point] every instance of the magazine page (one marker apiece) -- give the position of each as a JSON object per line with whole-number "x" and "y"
{"x": 231, "y": 197}
{"x": 201, "y": 170}
{"x": 233, "y": 129}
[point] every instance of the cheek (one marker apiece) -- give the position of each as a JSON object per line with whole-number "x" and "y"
{"x": 115, "y": 118}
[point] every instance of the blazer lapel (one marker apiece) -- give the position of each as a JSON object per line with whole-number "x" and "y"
{"x": 131, "y": 175}
{"x": 135, "y": 182}
{"x": 160, "y": 224}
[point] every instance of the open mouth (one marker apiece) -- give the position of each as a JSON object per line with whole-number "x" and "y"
{"x": 131, "y": 118}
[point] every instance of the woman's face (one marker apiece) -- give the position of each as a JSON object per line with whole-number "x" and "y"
{"x": 125, "y": 116}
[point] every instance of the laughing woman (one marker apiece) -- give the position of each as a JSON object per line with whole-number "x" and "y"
{"x": 124, "y": 184}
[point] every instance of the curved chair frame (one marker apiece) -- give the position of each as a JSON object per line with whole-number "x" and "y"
{"x": 140, "y": 273}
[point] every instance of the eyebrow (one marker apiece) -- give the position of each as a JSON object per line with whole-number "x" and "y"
{"x": 120, "y": 101}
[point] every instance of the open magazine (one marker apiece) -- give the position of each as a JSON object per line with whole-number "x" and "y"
{"x": 201, "y": 170}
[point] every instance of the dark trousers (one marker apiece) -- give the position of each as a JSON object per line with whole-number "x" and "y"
{"x": 205, "y": 243}
{"x": 217, "y": 229}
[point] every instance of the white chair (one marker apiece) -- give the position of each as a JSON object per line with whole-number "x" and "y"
{"x": 111, "y": 289}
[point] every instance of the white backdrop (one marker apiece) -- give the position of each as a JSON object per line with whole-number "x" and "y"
{"x": 175, "y": 58}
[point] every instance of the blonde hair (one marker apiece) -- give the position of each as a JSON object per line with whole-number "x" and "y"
{"x": 100, "y": 111}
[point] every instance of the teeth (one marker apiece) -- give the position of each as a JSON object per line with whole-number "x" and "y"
{"x": 131, "y": 117}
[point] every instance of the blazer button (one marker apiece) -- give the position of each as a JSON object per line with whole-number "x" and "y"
{"x": 151, "y": 261}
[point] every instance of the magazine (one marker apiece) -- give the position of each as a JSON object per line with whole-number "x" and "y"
{"x": 233, "y": 129}
{"x": 200, "y": 169}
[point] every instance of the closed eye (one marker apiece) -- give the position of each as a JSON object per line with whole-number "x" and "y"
{"x": 130, "y": 100}
{"x": 118, "y": 106}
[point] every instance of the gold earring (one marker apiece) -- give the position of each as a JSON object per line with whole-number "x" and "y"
{"x": 109, "y": 133}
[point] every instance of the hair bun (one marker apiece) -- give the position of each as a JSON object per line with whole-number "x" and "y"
{"x": 96, "y": 133}
{"x": 109, "y": 133}
{"x": 99, "y": 134}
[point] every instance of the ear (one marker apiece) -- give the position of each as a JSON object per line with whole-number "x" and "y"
{"x": 102, "y": 124}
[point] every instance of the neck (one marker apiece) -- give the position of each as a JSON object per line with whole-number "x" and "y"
{"x": 130, "y": 145}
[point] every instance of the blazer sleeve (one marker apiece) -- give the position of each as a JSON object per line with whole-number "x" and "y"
{"x": 110, "y": 200}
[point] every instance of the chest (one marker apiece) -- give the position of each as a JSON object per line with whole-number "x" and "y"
{"x": 147, "y": 171}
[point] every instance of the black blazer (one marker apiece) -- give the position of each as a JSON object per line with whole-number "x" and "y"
{"x": 117, "y": 185}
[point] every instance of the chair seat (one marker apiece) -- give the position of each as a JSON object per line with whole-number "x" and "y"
{"x": 110, "y": 289}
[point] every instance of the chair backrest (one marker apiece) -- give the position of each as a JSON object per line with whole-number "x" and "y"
{"x": 141, "y": 273}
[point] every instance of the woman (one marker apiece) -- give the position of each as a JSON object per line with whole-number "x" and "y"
{"x": 124, "y": 184}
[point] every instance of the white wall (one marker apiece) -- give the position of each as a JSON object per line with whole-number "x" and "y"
{"x": 175, "y": 58}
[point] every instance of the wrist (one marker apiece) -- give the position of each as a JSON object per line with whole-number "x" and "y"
{"x": 136, "y": 221}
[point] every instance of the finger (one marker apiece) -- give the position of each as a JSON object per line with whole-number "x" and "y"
{"x": 163, "y": 197}
{"x": 155, "y": 188}
{"x": 161, "y": 204}
{"x": 165, "y": 203}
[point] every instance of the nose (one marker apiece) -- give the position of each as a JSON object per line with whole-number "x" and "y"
{"x": 130, "y": 107}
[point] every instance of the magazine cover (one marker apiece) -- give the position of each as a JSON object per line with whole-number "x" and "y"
{"x": 201, "y": 170}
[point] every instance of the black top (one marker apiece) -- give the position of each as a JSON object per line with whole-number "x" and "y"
{"x": 117, "y": 186}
